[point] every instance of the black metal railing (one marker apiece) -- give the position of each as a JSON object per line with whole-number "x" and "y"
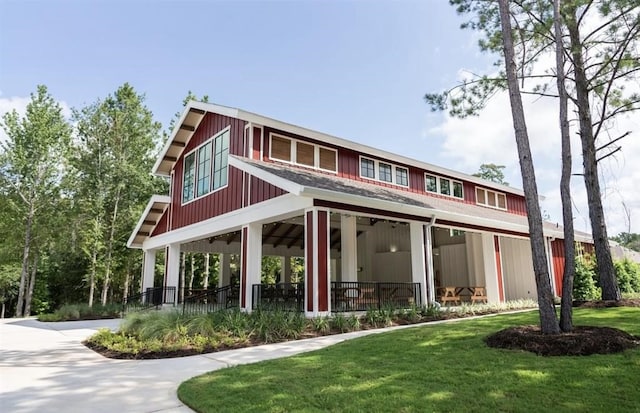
{"x": 208, "y": 301}
{"x": 362, "y": 296}
{"x": 151, "y": 298}
{"x": 283, "y": 296}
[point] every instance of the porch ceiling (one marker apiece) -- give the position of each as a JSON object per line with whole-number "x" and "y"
{"x": 156, "y": 207}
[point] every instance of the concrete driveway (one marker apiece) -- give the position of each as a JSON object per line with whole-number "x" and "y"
{"x": 45, "y": 368}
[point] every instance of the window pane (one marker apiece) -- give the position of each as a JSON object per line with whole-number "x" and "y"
{"x": 367, "y": 168}
{"x": 304, "y": 154}
{"x": 280, "y": 148}
{"x": 457, "y": 190}
{"x": 502, "y": 201}
{"x": 402, "y": 176}
{"x": 188, "y": 177}
{"x": 491, "y": 198}
{"x": 480, "y": 196}
{"x": 385, "y": 172}
{"x": 328, "y": 159}
{"x": 445, "y": 186}
{"x": 204, "y": 170}
{"x": 220, "y": 161}
{"x": 431, "y": 185}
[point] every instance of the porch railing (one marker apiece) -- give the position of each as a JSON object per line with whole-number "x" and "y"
{"x": 151, "y": 298}
{"x": 207, "y": 301}
{"x": 362, "y": 296}
{"x": 283, "y": 296}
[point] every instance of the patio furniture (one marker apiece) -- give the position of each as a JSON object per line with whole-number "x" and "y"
{"x": 478, "y": 294}
{"x": 449, "y": 295}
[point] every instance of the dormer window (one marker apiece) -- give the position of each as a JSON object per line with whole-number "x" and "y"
{"x": 491, "y": 199}
{"x": 383, "y": 172}
{"x": 443, "y": 186}
{"x": 302, "y": 153}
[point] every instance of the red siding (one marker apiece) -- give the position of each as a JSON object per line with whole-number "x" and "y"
{"x": 257, "y": 139}
{"x": 516, "y": 204}
{"x": 162, "y": 225}
{"x": 323, "y": 271}
{"x": 219, "y": 202}
{"x": 309, "y": 260}
{"x": 261, "y": 191}
{"x": 496, "y": 244}
{"x": 557, "y": 260}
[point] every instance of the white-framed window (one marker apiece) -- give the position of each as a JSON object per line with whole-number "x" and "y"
{"x": 302, "y": 153}
{"x": 383, "y": 171}
{"x": 443, "y": 186}
{"x": 206, "y": 167}
{"x": 491, "y": 198}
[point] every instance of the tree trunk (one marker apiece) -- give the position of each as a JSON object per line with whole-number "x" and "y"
{"x": 112, "y": 230}
{"x": 193, "y": 271}
{"x": 125, "y": 289}
{"x": 32, "y": 283}
{"x": 548, "y": 321}
{"x": 566, "y": 307}
{"x": 2, "y": 312}
{"x": 205, "y": 279}
{"x": 604, "y": 261}
{"x": 25, "y": 262}
{"x": 92, "y": 277}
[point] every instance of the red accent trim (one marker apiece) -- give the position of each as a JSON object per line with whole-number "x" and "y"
{"x": 243, "y": 269}
{"x": 557, "y": 260}
{"x": 323, "y": 270}
{"x": 496, "y": 244}
{"x": 309, "y": 260}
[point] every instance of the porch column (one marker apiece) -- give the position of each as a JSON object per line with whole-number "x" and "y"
{"x": 317, "y": 263}
{"x": 349, "y": 248}
{"x": 431, "y": 279}
{"x": 418, "y": 259}
{"x": 224, "y": 273}
{"x": 250, "y": 263}
{"x": 172, "y": 273}
{"x": 552, "y": 277}
{"x": 492, "y": 267}
{"x": 148, "y": 270}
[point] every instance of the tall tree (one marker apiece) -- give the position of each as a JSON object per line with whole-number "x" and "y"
{"x": 566, "y": 305}
{"x": 32, "y": 164}
{"x": 118, "y": 139}
{"x": 492, "y": 172}
{"x": 548, "y": 322}
{"x": 603, "y": 61}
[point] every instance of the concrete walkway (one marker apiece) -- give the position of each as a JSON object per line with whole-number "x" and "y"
{"x": 45, "y": 368}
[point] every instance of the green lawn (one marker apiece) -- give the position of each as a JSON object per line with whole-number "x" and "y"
{"x": 439, "y": 368}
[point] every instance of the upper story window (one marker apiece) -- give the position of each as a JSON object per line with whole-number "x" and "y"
{"x": 384, "y": 172}
{"x": 207, "y": 161}
{"x": 303, "y": 153}
{"x": 490, "y": 198}
{"x": 443, "y": 186}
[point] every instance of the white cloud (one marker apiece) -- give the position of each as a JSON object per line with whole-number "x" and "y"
{"x": 488, "y": 138}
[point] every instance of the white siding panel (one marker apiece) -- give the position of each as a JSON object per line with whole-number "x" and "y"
{"x": 453, "y": 264}
{"x": 517, "y": 269}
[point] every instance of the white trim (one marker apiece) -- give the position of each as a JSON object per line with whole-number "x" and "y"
{"x": 376, "y": 171}
{"x": 275, "y": 180}
{"x": 279, "y": 208}
{"x": 154, "y": 199}
{"x": 293, "y": 154}
{"x": 438, "y": 190}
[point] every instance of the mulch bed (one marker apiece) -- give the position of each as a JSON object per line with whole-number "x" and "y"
{"x": 582, "y": 341}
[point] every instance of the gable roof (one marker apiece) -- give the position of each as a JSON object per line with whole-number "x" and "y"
{"x": 307, "y": 182}
{"x": 195, "y": 111}
{"x": 152, "y": 214}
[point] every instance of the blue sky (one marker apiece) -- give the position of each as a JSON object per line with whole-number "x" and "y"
{"x": 354, "y": 69}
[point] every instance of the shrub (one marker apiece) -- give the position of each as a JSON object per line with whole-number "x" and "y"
{"x": 321, "y": 324}
{"x": 339, "y": 322}
{"x": 584, "y": 284}
{"x": 628, "y": 275}
{"x": 72, "y": 312}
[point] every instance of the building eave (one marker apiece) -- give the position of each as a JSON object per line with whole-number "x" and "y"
{"x": 148, "y": 221}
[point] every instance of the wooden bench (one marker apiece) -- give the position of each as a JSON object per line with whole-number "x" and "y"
{"x": 478, "y": 294}
{"x": 449, "y": 295}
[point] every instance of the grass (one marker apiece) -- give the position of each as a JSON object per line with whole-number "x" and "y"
{"x": 433, "y": 368}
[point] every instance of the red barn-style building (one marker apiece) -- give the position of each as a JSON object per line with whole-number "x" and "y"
{"x": 371, "y": 226}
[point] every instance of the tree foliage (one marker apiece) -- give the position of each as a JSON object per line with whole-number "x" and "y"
{"x": 492, "y": 172}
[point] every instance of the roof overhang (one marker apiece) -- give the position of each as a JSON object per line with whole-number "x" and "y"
{"x": 149, "y": 219}
{"x": 195, "y": 111}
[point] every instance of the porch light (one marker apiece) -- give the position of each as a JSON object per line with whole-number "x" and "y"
{"x": 393, "y": 248}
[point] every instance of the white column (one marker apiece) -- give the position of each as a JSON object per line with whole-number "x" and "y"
{"x": 251, "y": 274}
{"x": 172, "y": 271}
{"x": 349, "y": 248}
{"x": 552, "y": 278}
{"x": 431, "y": 279}
{"x": 418, "y": 259}
{"x": 224, "y": 272}
{"x": 490, "y": 268}
{"x": 148, "y": 270}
